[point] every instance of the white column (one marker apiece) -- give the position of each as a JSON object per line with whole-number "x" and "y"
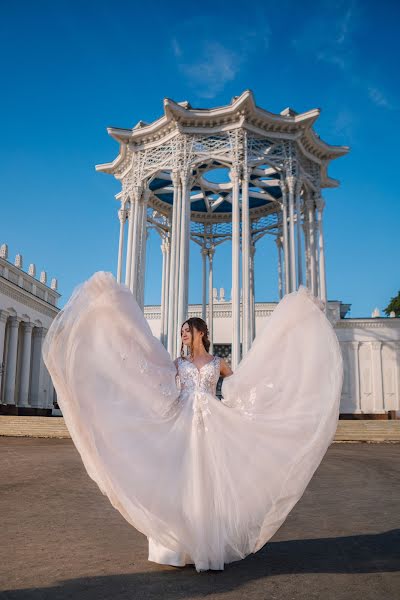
{"x": 184, "y": 238}
{"x": 164, "y": 292}
{"x": 285, "y": 236}
{"x": 143, "y": 268}
{"x": 143, "y": 235}
{"x": 311, "y": 243}
{"x": 25, "y": 365}
{"x": 211, "y": 252}
{"x": 38, "y": 391}
{"x": 355, "y": 384}
{"x": 306, "y": 249}
{"x": 189, "y": 184}
{"x": 122, "y": 219}
{"x": 135, "y": 240}
{"x": 131, "y": 215}
{"x": 298, "y": 235}
{"x": 291, "y": 181}
{"x": 280, "y": 282}
{"x": 11, "y": 361}
{"x": 235, "y": 300}
{"x": 167, "y": 294}
{"x": 173, "y": 267}
{"x": 246, "y": 262}
{"x": 320, "y": 206}
{"x": 177, "y": 265}
{"x": 3, "y": 321}
{"x": 252, "y": 292}
{"x": 50, "y": 395}
{"x": 204, "y": 254}
{"x": 377, "y": 378}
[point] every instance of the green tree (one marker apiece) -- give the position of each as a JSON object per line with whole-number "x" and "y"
{"x": 394, "y": 305}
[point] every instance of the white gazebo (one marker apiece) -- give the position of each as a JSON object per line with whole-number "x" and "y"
{"x": 237, "y": 173}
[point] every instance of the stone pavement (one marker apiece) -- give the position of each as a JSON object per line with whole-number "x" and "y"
{"x": 61, "y": 538}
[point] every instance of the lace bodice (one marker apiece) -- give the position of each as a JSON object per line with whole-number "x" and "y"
{"x": 204, "y": 379}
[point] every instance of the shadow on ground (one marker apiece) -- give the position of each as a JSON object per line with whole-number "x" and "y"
{"x": 342, "y": 555}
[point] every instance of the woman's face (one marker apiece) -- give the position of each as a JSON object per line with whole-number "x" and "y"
{"x": 187, "y": 335}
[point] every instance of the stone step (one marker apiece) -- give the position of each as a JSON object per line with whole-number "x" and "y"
{"x": 54, "y": 427}
{"x": 21, "y": 426}
{"x": 368, "y": 431}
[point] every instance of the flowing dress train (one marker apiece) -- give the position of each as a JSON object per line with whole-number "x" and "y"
{"x": 207, "y": 481}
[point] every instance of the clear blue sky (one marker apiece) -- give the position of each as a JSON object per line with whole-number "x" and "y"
{"x": 70, "y": 69}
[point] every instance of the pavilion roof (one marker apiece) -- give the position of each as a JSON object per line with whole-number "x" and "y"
{"x": 242, "y": 111}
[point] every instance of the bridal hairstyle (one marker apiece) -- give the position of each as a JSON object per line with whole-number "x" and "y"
{"x": 200, "y": 325}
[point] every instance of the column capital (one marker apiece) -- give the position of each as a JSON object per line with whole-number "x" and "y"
{"x": 186, "y": 176}
{"x": 3, "y": 316}
{"x": 319, "y": 201}
{"x": 39, "y": 332}
{"x": 234, "y": 173}
{"x": 122, "y": 215}
{"x": 211, "y": 252}
{"x": 283, "y": 186}
{"x": 15, "y": 321}
{"x": 175, "y": 177}
{"x": 291, "y": 182}
{"x": 354, "y": 344}
{"x": 137, "y": 192}
{"x": 376, "y": 345}
{"x": 309, "y": 201}
{"x": 278, "y": 241}
{"x": 165, "y": 245}
{"x": 28, "y": 326}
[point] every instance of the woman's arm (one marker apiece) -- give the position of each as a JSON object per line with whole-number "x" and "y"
{"x": 225, "y": 369}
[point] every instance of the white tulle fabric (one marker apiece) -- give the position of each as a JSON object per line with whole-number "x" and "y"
{"x": 208, "y": 482}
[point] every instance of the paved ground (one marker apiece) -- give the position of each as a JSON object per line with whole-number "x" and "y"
{"x": 60, "y": 537}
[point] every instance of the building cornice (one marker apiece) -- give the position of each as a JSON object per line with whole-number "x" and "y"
{"x": 10, "y": 289}
{"x": 372, "y": 323}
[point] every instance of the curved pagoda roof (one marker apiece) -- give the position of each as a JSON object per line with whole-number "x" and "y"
{"x": 208, "y": 195}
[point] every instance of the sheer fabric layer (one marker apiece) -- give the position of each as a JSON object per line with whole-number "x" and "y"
{"x": 207, "y": 481}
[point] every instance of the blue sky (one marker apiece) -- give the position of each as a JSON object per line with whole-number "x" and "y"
{"x": 70, "y": 69}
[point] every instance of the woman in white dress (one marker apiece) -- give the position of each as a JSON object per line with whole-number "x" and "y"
{"x": 207, "y": 481}
{"x": 206, "y": 372}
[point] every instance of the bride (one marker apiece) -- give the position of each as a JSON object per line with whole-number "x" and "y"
{"x": 208, "y": 482}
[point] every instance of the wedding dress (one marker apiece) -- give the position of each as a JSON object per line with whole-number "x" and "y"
{"x": 207, "y": 481}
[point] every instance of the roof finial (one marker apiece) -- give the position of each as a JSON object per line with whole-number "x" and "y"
{"x": 18, "y": 261}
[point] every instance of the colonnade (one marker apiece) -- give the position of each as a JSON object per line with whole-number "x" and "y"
{"x": 300, "y": 246}
{"x": 24, "y": 379}
{"x": 301, "y": 240}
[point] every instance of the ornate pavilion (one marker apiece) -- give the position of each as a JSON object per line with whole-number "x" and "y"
{"x": 236, "y": 172}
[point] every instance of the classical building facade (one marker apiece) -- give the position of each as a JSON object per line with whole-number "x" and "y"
{"x": 27, "y": 307}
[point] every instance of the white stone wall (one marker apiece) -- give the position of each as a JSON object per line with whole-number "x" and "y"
{"x": 371, "y": 354}
{"x": 27, "y": 308}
